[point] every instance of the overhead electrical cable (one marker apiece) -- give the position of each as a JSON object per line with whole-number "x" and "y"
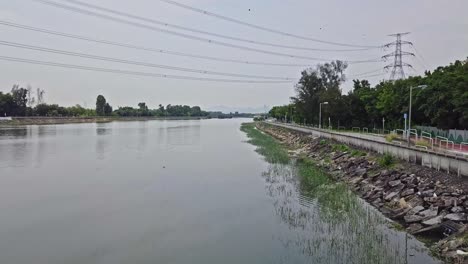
{"x": 169, "y": 25}
{"x": 138, "y": 63}
{"x": 210, "y": 41}
{"x": 369, "y": 72}
{"x": 137, "y": 73}
{"x": 420, "y": 58}
{"x": 136, "y": 47}
{"x": 367, "y": 76}
{"x": 233, "y": 20}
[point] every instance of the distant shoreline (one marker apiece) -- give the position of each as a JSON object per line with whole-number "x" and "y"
{"x": 20, "y": 121}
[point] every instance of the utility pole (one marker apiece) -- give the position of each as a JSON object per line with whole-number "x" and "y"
{"x": 398, "y": 64}
{"x": 320, "y": 113}
{"x": 383, "y": 125}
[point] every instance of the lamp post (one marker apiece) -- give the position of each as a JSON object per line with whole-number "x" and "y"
{"x": 409, "y": 116}
{"x": 383, "y": 125}
{"x": 320, "y": 113}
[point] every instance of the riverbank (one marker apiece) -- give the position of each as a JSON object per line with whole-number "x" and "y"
{"x": 427, "y": 203}
{"x": 20, "y": 121}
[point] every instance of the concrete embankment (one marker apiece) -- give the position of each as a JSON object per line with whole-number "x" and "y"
{"x": 428, "y": 203}
{"x": 71, "y": 120}
{"x": 443, "y": 162}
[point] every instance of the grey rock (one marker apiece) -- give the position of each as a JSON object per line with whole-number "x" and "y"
{"x": 431, "y": 212}
{"x": 431, "y": 199}
{"x": 377, "y": 202}
{"x": 457, "y": 209}
{"x": 360, "y": 172}
{"x": 390, "y": 196}
{"x": 385, "y": 173}
{"x": 394, "y": 183}
{"x": 434, "y": 221}
{"x": 407, "y": 192}
{"x": 428, "y": 193}
{"x": 413, "y": 218}
{"x": 456, "y": 217}
{"x": 414, "y": 227}
{"x": 356, "y": 180}
{"x": 415, "y": 201}
{"x": 416, "y": 210}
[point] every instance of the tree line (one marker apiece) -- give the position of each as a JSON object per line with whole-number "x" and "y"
{"x": 439, "y": 99}
{"x": 21, "y": 102}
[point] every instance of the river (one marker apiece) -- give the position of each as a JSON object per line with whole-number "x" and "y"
{"x": 172, "y": 192}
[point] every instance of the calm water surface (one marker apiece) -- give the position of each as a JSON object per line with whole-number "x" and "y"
{"x": 172, "y": 192}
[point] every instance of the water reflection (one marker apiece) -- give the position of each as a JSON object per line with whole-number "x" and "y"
{"x": 183, "y": 137}
{"x": 15, "y": 132}
{"x": 332, "y": 225}
{"x": 142, "y": 138}
{"x": 103, "y": 130}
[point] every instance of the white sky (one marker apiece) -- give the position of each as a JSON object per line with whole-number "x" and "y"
{"x": 439, "y": 31}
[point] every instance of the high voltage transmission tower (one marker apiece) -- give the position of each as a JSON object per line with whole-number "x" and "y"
{"x": 398, "y": 65}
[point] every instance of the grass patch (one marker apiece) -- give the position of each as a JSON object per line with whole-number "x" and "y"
{"x": 340, "y": 147}
{"x": 390, "y": 137}
{"x": 387, "y": 160}
{"x": 397, "y": 226}
{"x": 267, "y": 146}
{"x": 422, "y": 142}
{"x": 312, "y": 175}
{"x": 358, "y": 153}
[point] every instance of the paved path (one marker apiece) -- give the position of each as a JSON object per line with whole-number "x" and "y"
{"x": 370, "y": 136}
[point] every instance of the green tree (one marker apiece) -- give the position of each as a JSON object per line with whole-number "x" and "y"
{"x": 100, "y": 105}
{"x": 107, "y": 109}
{"x": 318, "y": 85}
{"x": 20, "y": 100}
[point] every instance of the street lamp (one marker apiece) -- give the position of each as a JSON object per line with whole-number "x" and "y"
{"x": 320, "y": 113}
{"x": 409, "y": 117}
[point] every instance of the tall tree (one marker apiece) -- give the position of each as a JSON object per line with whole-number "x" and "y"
{"x": 100, "y": 105}
{"x": 318, "y": 85}
{"x": 20, "y": 100}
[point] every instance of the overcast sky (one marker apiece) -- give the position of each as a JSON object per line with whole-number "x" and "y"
{"x": 439, "y": 31}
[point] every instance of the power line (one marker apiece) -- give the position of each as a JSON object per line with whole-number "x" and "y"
{"x": 138, "y": 63}
{"x": 169, "y": 25}
{"x": 367, "y": 76}
{"x": 204, "y": 12}
{"x": 368, "y": 72}
{"x": 398, "y": 64}
{"x": 420, "y": 58}
{"x": 137, "y": 73}
{"x": 130, "y": 46}
{"x": 187, "y": 36}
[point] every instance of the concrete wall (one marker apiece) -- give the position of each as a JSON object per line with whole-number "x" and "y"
{"x": 437, "y": 161}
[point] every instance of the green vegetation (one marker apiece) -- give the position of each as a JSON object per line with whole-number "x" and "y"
{"x": 358, "y": 153}
{"x": 312, "y": 176}
{"x": 22, "y": 102}
{"x": 340, "y": 147}
{"x": 387, "y": 160}
{"x": 390, "y": 137}
{"x": 266, "y": 145}
{"x": 336, "y": 215}
{"x": 422, "y": 142}
{"x": 314, "y": 182}
{"x": 443, "y": 104}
